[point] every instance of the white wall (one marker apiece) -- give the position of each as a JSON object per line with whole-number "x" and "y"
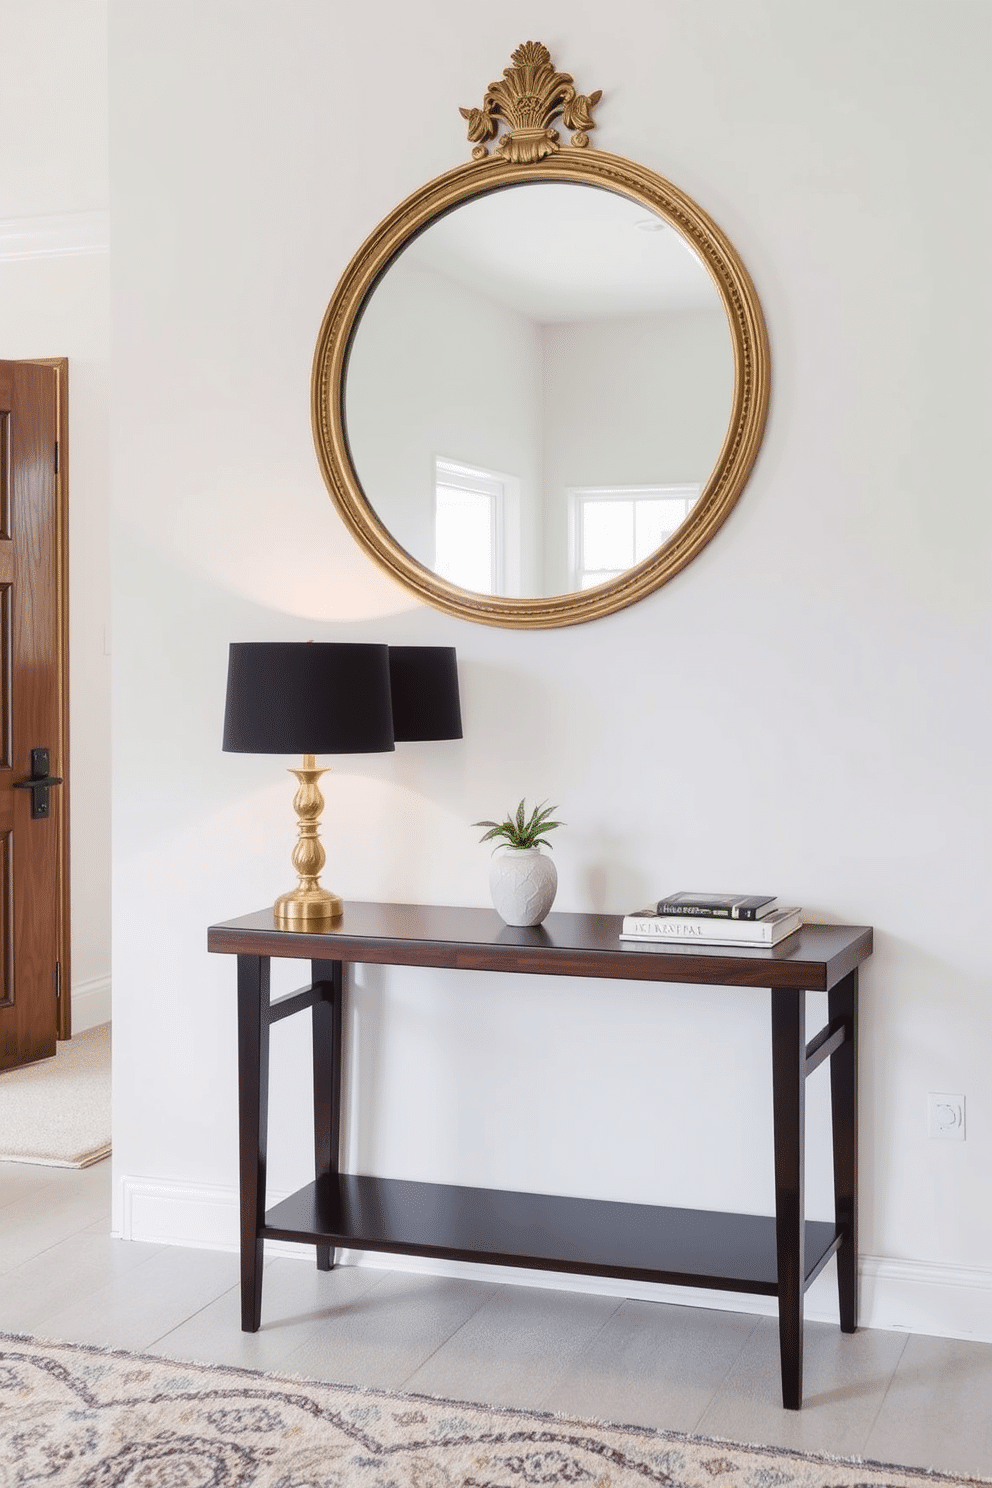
{"x": 831, "y": 746}
{"x": 54, "y": 301}
{"x": 53, "y": 107}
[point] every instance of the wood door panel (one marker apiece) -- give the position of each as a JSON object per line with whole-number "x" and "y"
{"x": 6, "y": 918}
{"x": 4, "y": 471}
{"x": 6, "y": 658}
{"x": 30, "y": 717}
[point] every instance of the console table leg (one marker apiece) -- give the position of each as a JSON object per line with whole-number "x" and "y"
{"x": 789, "y": 1094}
{"x": 843, "y": 1004}
{"x": 253, "y": 1121}
{"x": 327, "y": 1023}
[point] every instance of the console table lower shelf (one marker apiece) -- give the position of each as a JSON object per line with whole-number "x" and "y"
{"x": 544, "y": 1232}
{"x": 774, "y": 1257}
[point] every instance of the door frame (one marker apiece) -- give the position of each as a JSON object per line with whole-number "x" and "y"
{"x": 60, "y": 366}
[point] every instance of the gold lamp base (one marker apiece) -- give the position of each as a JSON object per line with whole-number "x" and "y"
{"x": 308, "y": 905}
{"x": 304, "y": 907}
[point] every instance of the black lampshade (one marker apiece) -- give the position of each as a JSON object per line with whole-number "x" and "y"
{"x": 288, "y": 697}
{"x": 424, "y": 683}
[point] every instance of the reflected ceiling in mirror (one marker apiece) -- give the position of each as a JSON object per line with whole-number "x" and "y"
{"x": 561, "y": 252}
{"x": 556, "y": 372}
{"x": 541, "y": 383}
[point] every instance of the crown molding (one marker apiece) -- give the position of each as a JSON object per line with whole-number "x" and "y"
{"x": 67, "y": 235}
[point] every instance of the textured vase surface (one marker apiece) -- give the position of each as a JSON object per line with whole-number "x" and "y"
{"x": 523, "y": 883}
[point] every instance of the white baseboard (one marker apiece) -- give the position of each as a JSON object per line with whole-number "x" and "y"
{"x": 910, "y": 1296}
{"x": 90, "y": 1003}
{"x": 921, "y": 1297}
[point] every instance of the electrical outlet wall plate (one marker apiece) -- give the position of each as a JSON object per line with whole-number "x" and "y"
{"x": 945, "y": 1116}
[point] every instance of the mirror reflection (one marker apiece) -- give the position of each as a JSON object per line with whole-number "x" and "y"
{"x": 538, "y": 389}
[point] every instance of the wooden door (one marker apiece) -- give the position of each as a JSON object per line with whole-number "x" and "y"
{"x": 33, "y": 838}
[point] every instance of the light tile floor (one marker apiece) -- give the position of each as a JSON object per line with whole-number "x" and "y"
{"x": 894, "y": 1397}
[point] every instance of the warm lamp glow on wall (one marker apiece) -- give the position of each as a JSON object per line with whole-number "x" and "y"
{"x": 315, "y": 698}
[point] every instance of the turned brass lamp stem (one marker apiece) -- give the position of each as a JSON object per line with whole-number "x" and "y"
{"x": 308, "y": 903}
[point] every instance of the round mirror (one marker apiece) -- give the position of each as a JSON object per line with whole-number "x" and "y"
{"x": 539, "y": 388}
{"x": 555, "y": 370}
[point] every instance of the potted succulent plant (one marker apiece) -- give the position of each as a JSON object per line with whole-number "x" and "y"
{"x": 522, "y": 880}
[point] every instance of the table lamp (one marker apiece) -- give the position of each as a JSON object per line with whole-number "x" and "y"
{"x": 308, "y": 698}
{"x": 424, "y": 685}
{"x": 315, "y": 698}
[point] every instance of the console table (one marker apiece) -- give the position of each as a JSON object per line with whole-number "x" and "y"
{"x": 774, "y": 1257}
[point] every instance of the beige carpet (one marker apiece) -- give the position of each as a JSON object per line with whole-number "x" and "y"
{"x": 58, "y": 1110}
{"x": 91, "y": 1418}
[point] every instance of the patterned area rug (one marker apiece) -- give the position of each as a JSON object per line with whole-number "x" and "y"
{"x": 92, "y": 1418}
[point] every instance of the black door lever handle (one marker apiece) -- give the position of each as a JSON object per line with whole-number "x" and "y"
{"x": 38, "y": 783}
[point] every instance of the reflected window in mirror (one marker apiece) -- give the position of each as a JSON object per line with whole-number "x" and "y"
{"x": 471, "y": 509}
{"x": 613, "y": 527}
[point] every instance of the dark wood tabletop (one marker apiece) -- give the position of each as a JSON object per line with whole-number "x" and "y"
{"x": 815, "y": 958}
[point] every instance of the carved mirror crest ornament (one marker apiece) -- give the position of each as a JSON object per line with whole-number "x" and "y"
{"x": 529, "y": 99}
{"x": 542, "y": 381}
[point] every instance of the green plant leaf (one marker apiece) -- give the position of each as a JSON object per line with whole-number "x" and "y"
{"x": 541, "y": 815}
{"x": 521, "y": 830}
{"x": 494, "y": 831}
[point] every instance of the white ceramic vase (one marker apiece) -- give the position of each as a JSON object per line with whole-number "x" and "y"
{"x": 523, "y": 883}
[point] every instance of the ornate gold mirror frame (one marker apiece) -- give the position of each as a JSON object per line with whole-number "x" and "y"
{"x": 531, "y": 96}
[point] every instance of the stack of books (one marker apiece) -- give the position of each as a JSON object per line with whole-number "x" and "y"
{"x": 713, "y": 920}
